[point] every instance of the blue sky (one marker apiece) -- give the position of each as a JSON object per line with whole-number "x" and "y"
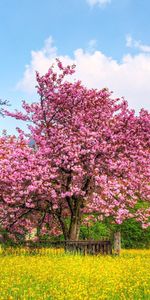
{"x": 109, "y": 40}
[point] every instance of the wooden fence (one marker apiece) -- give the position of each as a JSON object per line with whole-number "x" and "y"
{"x": 89, "y": 247}
{"x": 83, "y": 247}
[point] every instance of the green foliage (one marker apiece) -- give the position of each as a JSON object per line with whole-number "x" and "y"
{"x": 94, "y": 232}
{"x": 132, "y": 234}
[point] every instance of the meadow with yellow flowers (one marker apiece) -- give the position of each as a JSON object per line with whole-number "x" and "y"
{"x": 55, "y": 275}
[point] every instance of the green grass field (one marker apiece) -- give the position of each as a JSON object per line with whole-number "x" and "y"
{"x": 52, "y": 274}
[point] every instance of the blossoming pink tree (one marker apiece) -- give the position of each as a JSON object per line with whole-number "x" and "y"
{"x": 91, "y": 160}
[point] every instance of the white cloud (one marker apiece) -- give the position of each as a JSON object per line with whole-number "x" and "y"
{"x": 98, "y": 2}
{"x": 128, "y": 78}
{"x": 40, "y": 60}
{"x": 131, "y": 43}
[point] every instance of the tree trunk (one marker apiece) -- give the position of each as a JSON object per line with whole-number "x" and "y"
{"x": 74, "y": 229}
{"x": 63, "y": 226}
{"x": 117, "y": 243}
{"x": 75, "y": 222}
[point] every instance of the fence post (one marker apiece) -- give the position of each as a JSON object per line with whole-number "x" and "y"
{"x": 117, "y": 242}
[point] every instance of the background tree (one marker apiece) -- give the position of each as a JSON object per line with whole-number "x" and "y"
{"x": 91, "y": 160}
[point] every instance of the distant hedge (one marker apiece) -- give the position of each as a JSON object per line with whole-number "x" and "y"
{"x": 132, "y": 234}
